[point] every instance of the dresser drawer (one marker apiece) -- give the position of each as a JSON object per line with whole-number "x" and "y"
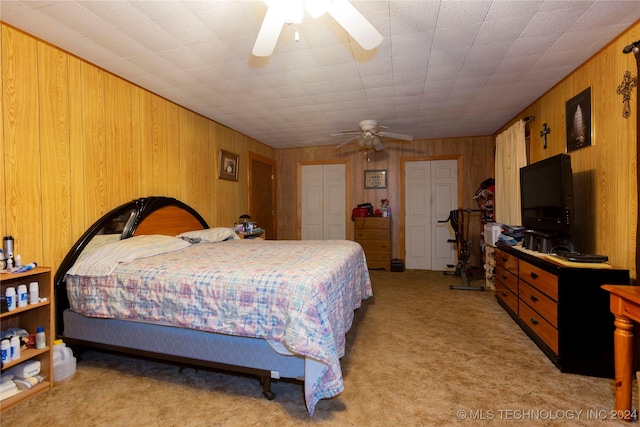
{"x": 375, "y": 246}
{"x": 543, "y": 329}
{"x": 371, "y": 222}
{"x": 369, "y": 234}
{"x": 506, "y": 296}
{"x": 377, "y": 257}
{"x": 540, "y": 279}
{"x": 508, "y": 261}
{"x": 507, "y": 279}
{"x": 541, "y": 303}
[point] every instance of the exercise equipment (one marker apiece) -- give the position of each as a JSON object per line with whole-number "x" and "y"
{"x": 463, "y": 246}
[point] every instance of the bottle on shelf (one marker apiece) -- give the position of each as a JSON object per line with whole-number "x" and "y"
{"x": 10, "y": 293}
{"x": 41, "y": 341}
{"x": 34, "y": 298}
{"x": 15, "y": 347}
{"x": 5, "y": 351}
{"x": 22, "y": 296}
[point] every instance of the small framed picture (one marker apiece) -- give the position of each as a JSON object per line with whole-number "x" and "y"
{"x": 578, "y": 120}
{"x": 228, "y": 165}
{"x": 375, "y": 178}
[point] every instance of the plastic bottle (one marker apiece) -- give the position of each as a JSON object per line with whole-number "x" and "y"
{"x": 15, "y": 347}
{"x": 5, "y": 351}
{"x": 41, "y": 340}
{"x": 34, "y": 298}
{"x": 22, "y": 296}
{"x": 18, "y": 261}
{"x": 10, "y": 293}
{"x": 27, "y": 267}
{"x": 64, "y": 362}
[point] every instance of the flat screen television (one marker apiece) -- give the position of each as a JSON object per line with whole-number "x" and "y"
{"x": 546, "y": 195}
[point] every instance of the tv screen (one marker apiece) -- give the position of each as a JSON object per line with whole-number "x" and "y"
{"x": 546, "y": 192}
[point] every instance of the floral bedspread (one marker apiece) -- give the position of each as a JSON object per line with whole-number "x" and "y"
{"x": 300, "y": 293}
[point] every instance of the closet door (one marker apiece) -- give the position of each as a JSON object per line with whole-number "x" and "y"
{"x": 323, "y": 202}
{"x": 431, "y": 192}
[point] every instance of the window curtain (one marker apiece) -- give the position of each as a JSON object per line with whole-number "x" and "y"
{"x": 510, "y": 157}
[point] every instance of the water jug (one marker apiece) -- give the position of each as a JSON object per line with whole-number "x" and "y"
{"x": 64, "y": 362}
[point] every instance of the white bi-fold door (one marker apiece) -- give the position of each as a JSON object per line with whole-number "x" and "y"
{"x": 323, "y": 200}
{"x": 431, "y": 192}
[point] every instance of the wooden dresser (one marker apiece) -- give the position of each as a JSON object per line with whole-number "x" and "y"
{"x": 562, "y": 309}
{"x": 374, "y": 235}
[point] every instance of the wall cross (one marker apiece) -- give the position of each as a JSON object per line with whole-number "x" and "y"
{"x": 624, "y": 89}
{"x": 544, "y": 132}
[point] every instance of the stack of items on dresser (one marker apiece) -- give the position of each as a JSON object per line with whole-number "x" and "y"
{"x": 512, "y": 234}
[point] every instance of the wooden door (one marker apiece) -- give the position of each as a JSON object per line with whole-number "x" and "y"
{"x": 262, "y": 194}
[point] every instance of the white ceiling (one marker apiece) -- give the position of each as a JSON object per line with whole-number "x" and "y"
{"x": 444, "y": 69}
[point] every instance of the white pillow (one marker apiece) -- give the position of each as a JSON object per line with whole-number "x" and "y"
{"x": 103, "y": 260}
{"x": 211, "y": 235}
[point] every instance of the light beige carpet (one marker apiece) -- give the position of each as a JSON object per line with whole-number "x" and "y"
{"x": 419, "y": 354}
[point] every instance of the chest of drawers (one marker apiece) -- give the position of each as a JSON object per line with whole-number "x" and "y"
{"x": 374, "y": 235}
{"x": 562, "y": 309}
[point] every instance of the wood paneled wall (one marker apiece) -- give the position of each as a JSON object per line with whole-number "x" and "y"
{"x": 605, "y": 183}
{"x": 78, "y": 141}
{"x": 476, "y": 159}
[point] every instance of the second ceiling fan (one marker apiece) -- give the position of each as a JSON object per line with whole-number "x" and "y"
{"x": 370, "y": 134}
{"x": 280, "y": 12}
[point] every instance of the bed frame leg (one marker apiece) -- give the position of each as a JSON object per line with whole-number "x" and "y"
{"x": 266, "y": 388}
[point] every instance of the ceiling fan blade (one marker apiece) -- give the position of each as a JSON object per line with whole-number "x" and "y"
{"x": 347, "y": 142}
{"x": 269, "y": 33}
{"x": 346, "y": 132}
{"x": 396, "y": 136}
{"x": 355, "y": 24}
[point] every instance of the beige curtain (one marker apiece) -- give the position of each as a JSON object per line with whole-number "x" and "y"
{"x": 510, "y": 157}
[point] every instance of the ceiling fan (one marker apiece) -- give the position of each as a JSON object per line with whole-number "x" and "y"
{"x": 369, "y": 135}
{"x": 280, "y": 12}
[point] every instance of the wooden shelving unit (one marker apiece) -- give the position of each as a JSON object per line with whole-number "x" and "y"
{"x": 29, "y": 318}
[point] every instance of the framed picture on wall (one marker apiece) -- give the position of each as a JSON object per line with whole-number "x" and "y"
{"x": 228, "y": 165}
{"x": 375, "y": 178}
{"x": 578, "y": 120}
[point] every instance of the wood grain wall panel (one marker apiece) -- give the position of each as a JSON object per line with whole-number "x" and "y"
{"x": 187, "y": 156}
{"x": 22, "y": 155}
{"x": 94, "y": 142}
{"x": 79, "y": 222}
{"x": 203, "y": 161}
{"x": 120, "y": 166}
{"x": 137, "y": 182}
{"x": 154, "y": 158}
{"x": 172, "y": 136}
{"x": 53, "y": 93}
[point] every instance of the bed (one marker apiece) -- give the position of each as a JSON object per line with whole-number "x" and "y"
{"x": 150, "y": 278}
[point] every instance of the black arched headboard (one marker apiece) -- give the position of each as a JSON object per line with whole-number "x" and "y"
{"x": 147, "y": 215}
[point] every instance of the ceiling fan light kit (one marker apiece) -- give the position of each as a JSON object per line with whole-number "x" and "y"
{"x": 369, "y": 135}
{"x": 280, "y": 12}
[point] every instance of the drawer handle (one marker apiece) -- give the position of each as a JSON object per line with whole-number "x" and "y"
{"x": 534, "y": 275}
{"x": 504, "y": 277}
{"x": 534, "y": 321}
{"x": 504, "y": 294}
{"x": 533, "y": 298}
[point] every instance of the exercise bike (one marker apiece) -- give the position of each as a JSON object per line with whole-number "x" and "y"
{"x": 456, "y": 218}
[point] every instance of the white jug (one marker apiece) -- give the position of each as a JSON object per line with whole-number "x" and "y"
{"x": 64, "y": 362}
